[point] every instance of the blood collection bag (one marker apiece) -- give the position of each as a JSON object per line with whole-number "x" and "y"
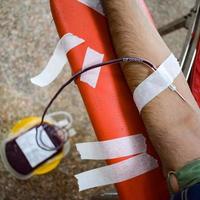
{"x": 35, "y": 150}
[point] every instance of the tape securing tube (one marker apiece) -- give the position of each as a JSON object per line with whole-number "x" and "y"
{"x": 57, "y": 61}
{"x": 157, "y": 82}
{"x": 110, "y": 149}
{"x": 117, "y": 172}
{"x": 92, "y": 57}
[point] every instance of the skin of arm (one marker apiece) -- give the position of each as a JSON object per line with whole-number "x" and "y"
{"x": 172, "y": 124}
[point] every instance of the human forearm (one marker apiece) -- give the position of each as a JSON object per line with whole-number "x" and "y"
{"x": 170, "y": 122}
{"x": 127, "y": 25}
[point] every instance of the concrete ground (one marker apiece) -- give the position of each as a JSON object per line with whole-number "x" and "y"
{"x": 27, "y": 39}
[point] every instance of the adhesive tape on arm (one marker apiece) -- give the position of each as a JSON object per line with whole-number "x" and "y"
{"x": 117, "y": 172}
{"x": 58, "y": 60}
{"x": 110, "y": 149}
{"x": 157, "y": 82}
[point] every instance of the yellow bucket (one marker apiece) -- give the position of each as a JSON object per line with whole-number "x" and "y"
{"x": 25, "y": 124}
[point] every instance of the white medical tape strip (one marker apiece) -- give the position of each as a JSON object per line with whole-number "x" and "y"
{"x": 94, "y": 4}
{"x": 117, "y": 172}
{"x": 110, "y": 149}
{"x": 57, "y": 61}
{"x": 92, "y": 57}
{"x": 157, "y": 82}
{"x": 33, "y": 153}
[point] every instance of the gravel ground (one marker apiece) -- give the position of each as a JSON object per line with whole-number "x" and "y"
{"x": 27, "y": 39}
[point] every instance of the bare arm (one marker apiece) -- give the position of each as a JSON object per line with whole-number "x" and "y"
{"x": 172, "y": 125}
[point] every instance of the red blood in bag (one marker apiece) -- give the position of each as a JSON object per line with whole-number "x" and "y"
{"x": 17, "y": 159}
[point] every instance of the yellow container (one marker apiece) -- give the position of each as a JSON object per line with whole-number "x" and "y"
{"x": 22, "y": 126}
